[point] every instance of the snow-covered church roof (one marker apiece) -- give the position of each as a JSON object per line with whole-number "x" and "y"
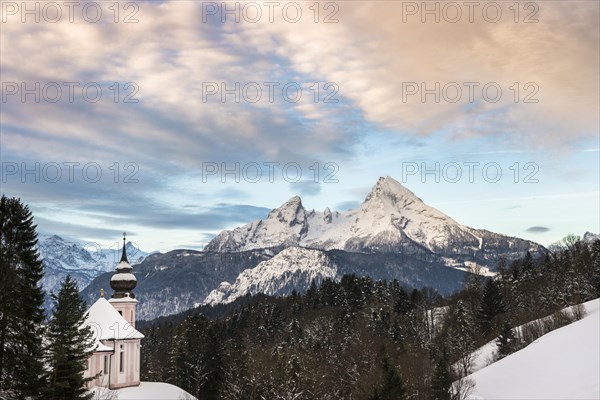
{"x": 107, "y": 324}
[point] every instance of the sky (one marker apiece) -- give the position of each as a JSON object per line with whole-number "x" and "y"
{"x": 174, "y": 120}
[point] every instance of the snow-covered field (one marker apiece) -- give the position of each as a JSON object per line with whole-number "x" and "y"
{"x": 563, "y": 364}
{"x": 146, "y": 391}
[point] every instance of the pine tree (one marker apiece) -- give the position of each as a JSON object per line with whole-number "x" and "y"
{"x": 461, "y": 339}
{"x": 527, "y": 271}
{"x": 506, "y": 341}
{"x": 492, "y": 304}
{"x": 596, "y": 266}
{"x": 21, "y": 303}
{"x": 441, "y": 381}
{"x": 70, "y": 345}
{"x": 392, "y": 387}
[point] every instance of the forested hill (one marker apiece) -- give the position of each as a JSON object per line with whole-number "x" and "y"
{"x": 359, "y": 338}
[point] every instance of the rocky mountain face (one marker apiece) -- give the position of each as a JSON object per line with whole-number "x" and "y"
{"x": 291, "y": 269}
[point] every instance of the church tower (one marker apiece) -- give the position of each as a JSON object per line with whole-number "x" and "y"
{"x": 123, "y": 282}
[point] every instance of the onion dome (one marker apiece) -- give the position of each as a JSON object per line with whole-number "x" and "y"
{"x": 123, "y": 281}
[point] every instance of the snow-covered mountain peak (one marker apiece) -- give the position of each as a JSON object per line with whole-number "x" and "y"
{"x": 391, "y": 219}
{"x": 290, "y": 213}
{"x": 387, "y": 188}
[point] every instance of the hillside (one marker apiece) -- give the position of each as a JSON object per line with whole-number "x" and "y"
{"x": 563, "y": 364}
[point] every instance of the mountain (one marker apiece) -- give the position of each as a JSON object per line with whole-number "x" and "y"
{"x": 392, "y": 219}
{"x": 292, "y": 268}
{"x": 83, "y": 261}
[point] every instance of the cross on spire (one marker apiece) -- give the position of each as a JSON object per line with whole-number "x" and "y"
{"x": 124, "y": 255}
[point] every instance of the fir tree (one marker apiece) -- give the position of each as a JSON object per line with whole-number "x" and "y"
{"x": 492, "y": 304}
{"x": 461, "y": 339}
{"x": 441, "y": 381}
{"x": 596, "y": 266}
{"x": 506, "y": 341}
{"x": 70, "y": 345}
{"x": 527, "y": 271}
{"x": 392, "y": 387}
{"x": 21, "y": 303}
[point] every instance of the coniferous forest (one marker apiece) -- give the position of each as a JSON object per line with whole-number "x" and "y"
{"x": 364, "y": 339}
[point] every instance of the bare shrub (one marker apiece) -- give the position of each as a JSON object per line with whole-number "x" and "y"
{"x": 578, "y": 312}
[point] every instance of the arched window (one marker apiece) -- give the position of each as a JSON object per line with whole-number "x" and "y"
{"x": 122, "y": 361}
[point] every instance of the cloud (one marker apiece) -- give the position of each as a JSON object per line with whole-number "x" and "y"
{"x": 173, "y": 125}
{"x": 347, "y": 205}
{"x": 77, "y": 231}
{"x": 306, "y": 188}
{"x": 537, "y": 229}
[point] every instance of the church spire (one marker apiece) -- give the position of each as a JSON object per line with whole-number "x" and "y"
{"x": 123, "y": 281}
{"x": 124, "y": 255}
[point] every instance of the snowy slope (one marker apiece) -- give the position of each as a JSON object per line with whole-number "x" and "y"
{"x": 563, "y": 364}
{"x": 293, "y": 268}
{"x": 145, "y": 391}
{"x": 391, "y": 219}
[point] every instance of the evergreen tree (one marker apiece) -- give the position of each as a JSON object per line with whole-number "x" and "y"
{"x": 70, "y": 345}
{"x": 527, "y": 271}
{"x": 461, "y": 340}
{"x": 441, "y": 382}
{"x": 403, "y": 304}
{"x": 506, "y": 341}
{"x": 21, "y": 303}
{"x": 492, "y": 304}
{"x": 596, "y": 266}
{"x": 392, "y": 387}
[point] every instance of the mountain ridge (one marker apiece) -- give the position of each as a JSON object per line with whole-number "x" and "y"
{"x": 390, "y": 219}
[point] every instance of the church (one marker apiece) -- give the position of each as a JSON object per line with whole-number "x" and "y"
{"x": 115, "y": 362}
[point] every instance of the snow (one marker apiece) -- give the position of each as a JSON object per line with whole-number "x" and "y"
{"x": 107, "y": 324}
{"x": 474, "y": 268}
{"x": 563, "y": 364}
{"x": 486, "y": 354}
{"x": 145, "y": 391}
{"x": 123, "y": 277}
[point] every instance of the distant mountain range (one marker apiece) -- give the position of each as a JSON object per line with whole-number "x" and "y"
{"x": 391, "y": 235}
{"x": 83, "y": 261}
